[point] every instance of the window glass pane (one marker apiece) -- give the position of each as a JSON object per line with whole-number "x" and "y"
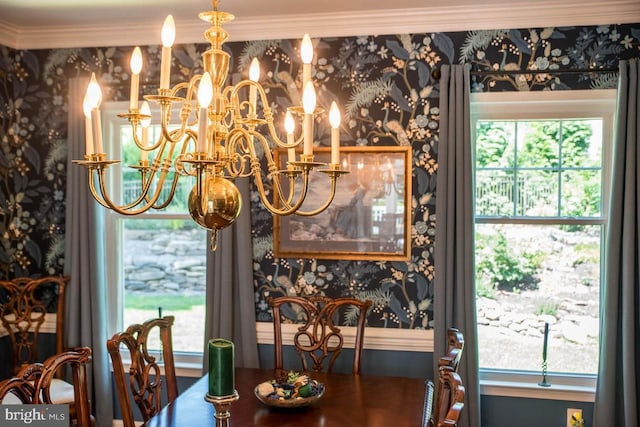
{"x": 582, "y": 143}
{"x": 164, "y": 264}
{"x": 494, "y": 192}
{"x": 537, "y": 193}
{"x": 538, "y": 144}
{"x": 495, "y": 144}
{"x": 527, "y": 275}
{"x": 581, "y": 193}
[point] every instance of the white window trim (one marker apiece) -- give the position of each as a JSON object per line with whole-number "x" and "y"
{"x": 547, "y": 105}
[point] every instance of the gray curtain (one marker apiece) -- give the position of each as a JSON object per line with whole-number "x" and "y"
{"x": 454, "y": 292}
{"x": 230, "y": 296}
{"x": 86, "y": 321}
{"x": 618, "y": 388}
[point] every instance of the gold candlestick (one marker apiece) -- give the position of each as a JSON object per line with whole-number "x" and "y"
{"x": 222, "y": 405}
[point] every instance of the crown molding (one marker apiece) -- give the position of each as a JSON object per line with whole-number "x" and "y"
{"x": 8, "y": 35}
{"x": 527, "y": 14}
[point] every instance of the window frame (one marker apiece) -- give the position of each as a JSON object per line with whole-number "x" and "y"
{"x": 569, "y": 104}
{"x": 188, "y": 364}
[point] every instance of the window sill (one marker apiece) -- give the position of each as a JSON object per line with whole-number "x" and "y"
{"x": 525, "y": 385}
{"x": 192, "y": 370}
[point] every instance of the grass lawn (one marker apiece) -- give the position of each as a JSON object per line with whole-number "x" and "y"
{"x": 167, "y": 302}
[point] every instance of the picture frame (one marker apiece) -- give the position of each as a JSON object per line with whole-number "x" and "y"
{"x": 369, "y": 217}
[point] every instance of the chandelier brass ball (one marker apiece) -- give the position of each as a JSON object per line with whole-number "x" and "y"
{"x": 219, "y": 206}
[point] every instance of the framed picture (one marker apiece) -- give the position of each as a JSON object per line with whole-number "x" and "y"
{"x": 369, "y": 217}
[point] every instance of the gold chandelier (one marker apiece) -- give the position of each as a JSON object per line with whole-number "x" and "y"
{"x": 220, "y": 137}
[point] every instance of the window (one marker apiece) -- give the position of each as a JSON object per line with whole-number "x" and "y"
{"x": 541, "y": 176}
{"x": 156, "y": 261}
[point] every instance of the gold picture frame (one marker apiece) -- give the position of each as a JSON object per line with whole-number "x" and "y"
{"x": 369, "y": 218}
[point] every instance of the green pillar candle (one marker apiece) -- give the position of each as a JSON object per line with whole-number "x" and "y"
{"x": 221, "y": 367}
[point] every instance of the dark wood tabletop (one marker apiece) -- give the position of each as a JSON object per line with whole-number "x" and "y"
{"x": 348, "y": 400}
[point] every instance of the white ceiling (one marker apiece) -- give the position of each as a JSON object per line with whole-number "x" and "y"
{"x": 32, "y": 24}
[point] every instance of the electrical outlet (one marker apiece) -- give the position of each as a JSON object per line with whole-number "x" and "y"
{"x": 570, "y": 412}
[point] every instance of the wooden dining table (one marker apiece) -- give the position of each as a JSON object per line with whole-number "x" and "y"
{"x": 348, "y": 400}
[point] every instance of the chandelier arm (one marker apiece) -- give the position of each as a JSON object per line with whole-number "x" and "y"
{"x": 167, "y": 162}
{"x": 92, "y": 186}
{"x": 248, "y": 136}
{"x": 101, "y": 196}
{"x": 169, "y": 198}
{"x": 134, "y": 132}
{"x": 268, "y": 115}
{"x": 238, "y": 152}
{"x": 288, "y": 209}
{"x": 277, "y": 184}
{"x": 326, "y": 204}
{"x": 122, "y": 210}
{"x": 228, "y": 118}
{"x": 187, "y": 106}
{"x": 158, "y": 165}
{"x": 179, "y": 163}
{"x": 165, "y": 117}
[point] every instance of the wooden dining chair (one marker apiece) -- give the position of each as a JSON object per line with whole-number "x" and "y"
{"x": 31, "y": 310}
{"x": 317, "y": 339}
{"x": 449, "y": 398}
{"x": 34, "y": 384}
{"x": 144, "y": 383}
{"x": 455, "y": 345}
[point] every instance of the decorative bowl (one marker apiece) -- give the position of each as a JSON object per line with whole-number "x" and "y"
{"x": 294, "y": 391}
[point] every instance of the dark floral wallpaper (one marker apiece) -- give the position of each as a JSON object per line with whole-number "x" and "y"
{"x": 388, "y": 88}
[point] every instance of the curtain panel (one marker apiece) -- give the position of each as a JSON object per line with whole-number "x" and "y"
{"x": 618, "y": 386}
{"x": 454, "y": 293}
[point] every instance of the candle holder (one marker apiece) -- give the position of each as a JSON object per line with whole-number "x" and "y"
{"x": 544, "y": 382}
{"x": 222, "y": 405}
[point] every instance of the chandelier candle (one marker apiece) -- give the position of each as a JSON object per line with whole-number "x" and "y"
{"x": 306, "y": 54}
{"x": 290, "y": 126}
{"x": 334, "y": 119}
{"x": 309, "y": 105}
{"x": 146, "y": 111}
{"x": 205, "y": 93}
{"x": 136, "y": 67}
{"x": 94, "y": 97}
{"x": 88, "y": 127}
{"x": 168, "y": 37}
{"x": 221, "y": 368}
{"x": 254, "y": 76}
